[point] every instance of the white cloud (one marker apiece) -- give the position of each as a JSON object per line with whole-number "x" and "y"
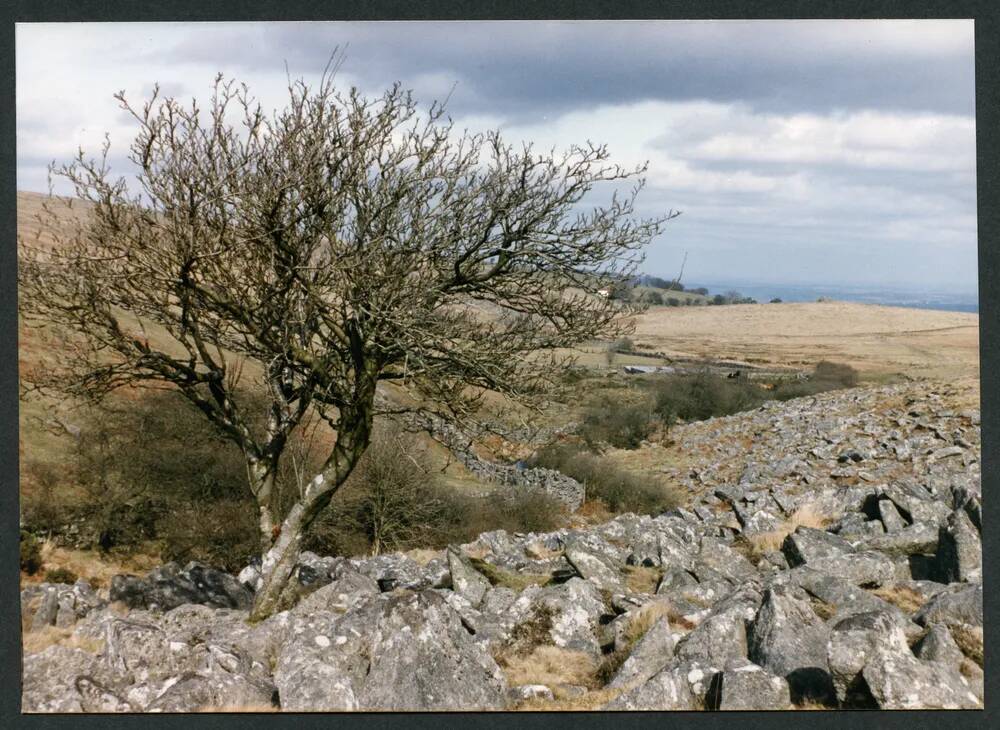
{"x": 855, "y": 180}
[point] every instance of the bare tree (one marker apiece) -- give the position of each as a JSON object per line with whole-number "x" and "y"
{"x": 321, "y": 250}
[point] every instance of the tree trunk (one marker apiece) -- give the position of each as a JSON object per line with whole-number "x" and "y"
{"x": 278, "y": 563}
{"x": 281, "y": 557}
{"x": 262, "y": 487}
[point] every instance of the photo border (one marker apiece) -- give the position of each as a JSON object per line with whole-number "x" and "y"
{"x": 987, "y": 58}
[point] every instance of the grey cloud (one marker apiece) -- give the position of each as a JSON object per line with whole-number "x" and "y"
{"x": 547, "y": 68}
{"x": 528, "y": 74}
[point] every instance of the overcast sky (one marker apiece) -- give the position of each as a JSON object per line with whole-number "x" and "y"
{"x": 837, "y": 152}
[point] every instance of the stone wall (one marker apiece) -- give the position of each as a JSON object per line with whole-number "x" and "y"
{"x": 549, "y": 481}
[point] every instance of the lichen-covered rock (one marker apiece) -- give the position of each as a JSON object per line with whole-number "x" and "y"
{"x": 466, "y": 581}
{"x": 745, "y": 686}
{"x": 717, "y": 640}
{"x": 523, "y": 692}
{"x": 418, "y": 650}
{"x": 340, "y": 595}
{"x": 938, "y": 645}
{"x": 574, "y": 610}
{"x": 649, "y": 655}
{"x": 49, "y": 680}
{"x": 323, "y": 663}
{"x": 915, "y": 503}
{"x": 394, "y": 571}
{"x": 57, "y": 604}
{"x": 788, "y": 639}
{"x": 170, "y": 586}
{"x": 97, "y": 697}
{"x": 722, "y": 560}
{"x": 401, "y": 652}
{"x": 898, "y": 680}
{"x": 673, "y": 688}
{"x": 597, "y": 568}
{"x": 960, "y": 552}
{"x": 138, "y": 651}
{"x": 219, "y": 690}
{"x": 920, "y": 538}
{"x": 889, "y": 514}
{"x": 852, "y": 641}
{"x": 960, "y": 604}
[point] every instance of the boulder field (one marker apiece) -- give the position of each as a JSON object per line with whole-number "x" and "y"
{"x": 829, "y": 555}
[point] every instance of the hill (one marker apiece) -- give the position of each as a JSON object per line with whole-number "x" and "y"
{"x": 875, "y": 339}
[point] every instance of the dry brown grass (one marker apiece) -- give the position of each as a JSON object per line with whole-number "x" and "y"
{"x": 96, "y": 569}
{"x": 36, "y": 641}
{"x": 587, "y": 702}
{"x": 505, "y": 578}
{"x": 823, "y": 609}
{"x": 970, "y": 641}
{"x": 902, "y": 597}
{"x": 640, "y": 579}
{"x": 637, "y": 628}
{"x": 550, "y": 665}
{"x": 422, "y": 556}
{"x": 873, "y": 339}
{"x": 804, "y": 516}
{"x": 591, "y": 512}
{"x": 810, "y": 705}
{"x": 645, "y": 617}
{"x": 539, "y": 551}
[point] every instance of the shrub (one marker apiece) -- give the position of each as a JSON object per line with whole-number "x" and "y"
{"x": 47, "y": 502}
{"x": 673, "y": 301}
{"x": 220, "y": 532}
{"x": 834, "y": 372}
{"x": 776, "y": 300}
{"x": 658, "y": 282}
{"x": 60, "y": 575}
{"x": 650, "y": 296}
{"x": 31, "y": 553}
{"x": 624, "y": 426}
{"x": 703, "y": 395}
{"x": 155, "y": 471}
{"x": 700, "y": 290}
{"x": 151, "y": 465}
{"x": 623, "y": 344}
{"x": 619, "y": 489}
{"x": 530, "y": 511}
{"x": 390, "y": 502}
{"x": 826, "y": 376}
{"x": 394, "y": 501}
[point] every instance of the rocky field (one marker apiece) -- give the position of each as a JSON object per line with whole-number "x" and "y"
{"x": 829, "y": 556}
